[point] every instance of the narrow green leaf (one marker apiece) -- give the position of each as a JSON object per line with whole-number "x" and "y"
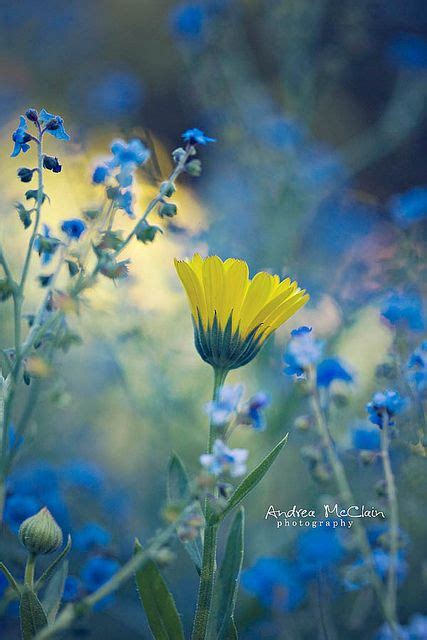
{"x": 158, "y": 602}
{"x": 10, "y": 578}
{"x": 178, "y": 483}
{"x": 32, "y": 616}
{"x": 54, "y": 592}
{"x": 251, "y": 480}
{"x": 179, "y": 490}
{"x": 221, "y": 617}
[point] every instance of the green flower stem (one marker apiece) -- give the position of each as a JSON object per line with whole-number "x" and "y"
{"x": 157, "y": 199}
{"x": 71, "y": 612}
{"x": 207, "y": 574}
{"x": 348, "y": 499}
{"x": 394, "y": 517}
{"x": 29, "y": 571}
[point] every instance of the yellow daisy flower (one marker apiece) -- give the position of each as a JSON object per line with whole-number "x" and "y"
{"x": 233, "y": 315}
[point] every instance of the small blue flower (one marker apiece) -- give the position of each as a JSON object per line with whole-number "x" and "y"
{"x": 96, "y": 572}
{"x": 21, "y": 138}
{"x": 409, "y": 207}
{"x": 72, "y": 588}
{"x": 366, "y": 439}
{"x": 318, "y": 550}
{"x": 53, "y": 125}
{"x": 418, "y": 627}
{"x": 83, "y": 475}
{"x": 45, "y": 245}
{"x": 134, "y": 152}
{"x": 18, "y": 508}
{"x": 73, "y": 228}
{"x": 417, "y": 368}
{"x": 195, "y": 136}
{"x": 253, "y": 412}
{"x": 302, "y": 351}
{"x": 386, "y": 633}
{"x": 100, "y": 174}
{"x": 332, "y": 369}
{"x": 387, "y": 403}
{"x": 357, "y": 574}
{"x": 405, "y": 310}
{"x": 276, "y": 583}
{"x": 225, "y": 460}
{"x": 408, "y": 51}
{"x": 91, "y": 536}
{"x": 221, "y": 411}
{"x": 188, "y": 21}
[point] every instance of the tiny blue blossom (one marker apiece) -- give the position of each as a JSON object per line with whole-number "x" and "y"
{"x": 225, "y": 460}
{"x": 100, "y": 174}
{"x": 386, "y": 633}
{"x": 253, "y": 412}
{"x": 277, "y": 583}
{"x": 302, "y": 351}
{"x": 417, "y": 368}
{"x": 45, "y": 245}
{"x": 53, "y": 125}
{"x": 91, "y": 536}
{"x": 73, "y": 228}
{"x": 387, "y": 403}
{"x": 366, "y": 439}
{"x": 224, "y": 408}
{"x": 318, "y": 550}
{"x": 124, "y": 201}
{"x": 188, "y": 21}
{"x": 408, "y": 51}
{"x": 405, "y": 310}
{"x": 409, "y": 207}
{"x": 72, "y": 588}
{"x": 134, "y": 152}
{"x": 357, "y": 574}
{"x": 418, "y": 627}
{"x": 96, "y": 572}
{"x": 195, "y": 136}
{"x": 332, "y": 369}
{"x": 21, "y": 138}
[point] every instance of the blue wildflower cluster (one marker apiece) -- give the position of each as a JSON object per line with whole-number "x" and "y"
{"x": 409, "y": 207}
{"x": 224, "y": 460}
{"x": 229, "y": 408}
{"x": 282, "y": 585}
{"x": 417, "y": 369}
{"x": 384, "y": 405}
{"x": 404, "y": 310}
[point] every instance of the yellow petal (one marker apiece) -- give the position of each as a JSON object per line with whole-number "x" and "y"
{"x": 274, "y": 302}
{"x": 213, "y": 283}
{"x": 235, "y": 287}
{"x": 193, "y": 289}
{"x": 257, "y": 295}
{"x": 287, "y": 310}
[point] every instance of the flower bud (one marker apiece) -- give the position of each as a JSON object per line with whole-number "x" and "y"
{"x": 146, "y": 232}
{"x": 40, "y": 534}
{"x": 52, "y": 164}
{"x": 52, "y": 125}
{"x": 194, "y": 168}
{"x": 178, "y": 154}
{"x": 32, "y": 115}
{"x": 167, "y": 210}
{"x": 167, "y": 189}
{"x": 25, "y": 174}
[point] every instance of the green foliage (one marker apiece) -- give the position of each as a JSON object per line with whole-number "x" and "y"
{"x": 32, "y": 615}
{"x": 54, "y": 591}
{"x": 158, "y": 602}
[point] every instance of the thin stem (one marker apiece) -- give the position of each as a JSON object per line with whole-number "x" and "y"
{"x": 347, "y": 498}
{"x": 207, "y": 574}
{"x": 394, "y": 517}
{"x": 29, "y": 571}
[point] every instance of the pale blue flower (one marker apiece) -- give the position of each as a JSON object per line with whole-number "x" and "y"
{"x": 222, "y": 410}
{"x": 21, "y": 138}
{"x": 53, "y": 125}
{"x": 302, "y": 351}
{"x": 225, "y": 460}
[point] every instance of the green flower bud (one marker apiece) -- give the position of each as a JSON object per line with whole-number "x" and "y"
{"x": 178, "y": 154}
{"x": 146, "y": 232}
{"x": 167, "y": 210}
{"x": 40, "y": 534}
{"x": 194, "y": 167}
{"x": 302, "y": 423}
{"x": 167, "y": 189}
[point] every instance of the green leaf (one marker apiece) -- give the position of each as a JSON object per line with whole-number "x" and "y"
{"x": 158, "y": 602}
{"x": 32, "y": 616}
{"x": 221, "y": 617}
{"x": 51, "y": 568}
{"x": 251, "y": 480}
{"x": 178, "y": 482}
{"x": 179, "y": 491}
{"x": 54, "y": 592}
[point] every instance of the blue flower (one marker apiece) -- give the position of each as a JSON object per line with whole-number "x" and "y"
{"x": 276, "y": 583}
{"x": 21, "y": 138}
{"x": 253, "y": 411}
{"x": 100, "y": 174}
{"x": 366, "y": 439}
{"x": 53, "y": 125}
{"x": 357, "y": 574}
{"x": 73, "y": 228}
{"x": 188, "y": 21}
{"x": 83, "y": 475}
{"x": 318, "y": 550}
{"x": 405, "y": 310}
{"x": 387, "y": 403}
{"x": 332, "y": 369}
{"x": 417, "y": 368}
{"x": 408, "y": 51}
{"x": 418, "y": 627}
{"x": 116, "y": 95}
{"x": 45, "y": 245}
{"x": 91, "y": 536}
{"x": 225, "y": 460}
{"x": 409, "y": 207}
{"x": 302, "y": 351}
{"x": 18, "y": 508}
{"x": 134, "y": 152}
{"x": 96, "y": 572}
{"x": 386, "y": 633}
{"x": 222, "y": 410}
{"x": 195, "y": 136}
{"x": 124, "y": 201}
{"x": 72, "y": 588}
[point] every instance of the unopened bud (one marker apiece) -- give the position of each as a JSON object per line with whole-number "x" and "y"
{"x": 40, "y": 534}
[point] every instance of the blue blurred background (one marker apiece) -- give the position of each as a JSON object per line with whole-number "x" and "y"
{"x": 319, "y": 171}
